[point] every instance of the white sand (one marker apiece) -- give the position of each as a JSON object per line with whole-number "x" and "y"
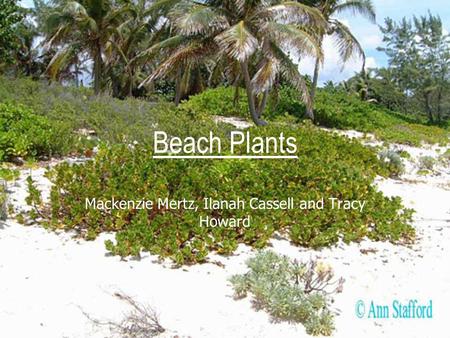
{"x": 48, "y": 279}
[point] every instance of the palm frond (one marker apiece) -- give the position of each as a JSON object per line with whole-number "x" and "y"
{"x": 295, "y": 13}
{"x": 75, "y": 9}
{"x": 266, "y": 75}
{"x": 362, "y": 7}
{"x": 291, "y": 73}
{"x": 57, "y": 37}
{"x": 194, "y": 19}
{"x": 293, "y": 36}
{"x": 59, "y": 61}
{"x": 157, "y": 48}
{"x": 237, "y": 42}
{"x": 193, "y": 53}
{"x": 116, "y": 17}
{"x": 240, "y": 6}
{"x": 346, "y": 43}
{"x": 162, "y": 7}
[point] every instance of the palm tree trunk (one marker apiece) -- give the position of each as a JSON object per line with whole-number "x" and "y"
{"x": 130, "y": 83}
{"x": 263, "y": 103}
{"x": 77, "y": 77}
{"x": 251, "y": 98}
{"x": 98, "y": 63}
{"x": 178, "y": 86}
{"x": 236, "y": 91}
{"x": 310, "y": 110}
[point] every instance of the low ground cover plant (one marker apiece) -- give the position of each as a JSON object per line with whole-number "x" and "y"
{"x": 290, "y": 290}
{"x": 6, "y": 175}
{"x": 9, "y": 174}
{"x": 328, "y": 166}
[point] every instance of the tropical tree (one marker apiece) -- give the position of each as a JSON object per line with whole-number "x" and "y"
{"x": 255, "y": 36}
{"x": 83, "y": 26}
{"x": 10, "y": 15}
{"x": 346, "y": 42}
{"x": 26, "y": 57}
{"x": 418, "y": 53}
{"x": 186, "y": 78}
{"x": 139, "y": 30}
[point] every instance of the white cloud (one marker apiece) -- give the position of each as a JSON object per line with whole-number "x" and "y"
{"x": 371, "y": 41}
{"x": 371, "y": 62}
{"x": 333, "y": 69}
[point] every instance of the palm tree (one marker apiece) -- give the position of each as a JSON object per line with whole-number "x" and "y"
{"x": 138, "y": 31}
{"x": 251, "y": 35}
{"x": 26, "y": 58}
{"x": 86, "y": 25}
{"x": 346, "y": 42}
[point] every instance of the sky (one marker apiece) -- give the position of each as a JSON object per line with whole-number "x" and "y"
{"x": 368, "y": 35}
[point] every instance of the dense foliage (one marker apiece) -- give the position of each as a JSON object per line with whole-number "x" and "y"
{"x": 10, "y": 15}
{"x": 328, "y": 166}
{"x": 342, "y": 111}
{"x": 334, "y": 109}
{"x": 222, "y": 101}
{"x": 24, "y": 134}
{"x": 134, "y": 47}
{"x": 418, "y": 52}
{"x": 347, "y": 46}
{"x": 113, "y": 120}
{"x": 289, "y": 290}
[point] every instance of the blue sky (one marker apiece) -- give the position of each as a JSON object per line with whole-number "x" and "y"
{"x": 369, "y": 34}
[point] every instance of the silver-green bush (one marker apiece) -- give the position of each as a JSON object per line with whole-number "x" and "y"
{"x": 289, "y": 290}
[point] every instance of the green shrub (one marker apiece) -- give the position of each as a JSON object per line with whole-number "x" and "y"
{"x": 285, "y": 100}
{"x": 404, "y": 154}
{"x": 328, "y": 166}
{"x": 413, "y": 134}
{"x": 24, "y": 134}
{"x": 289, "y": 290}
{"x": 7, "y": 174}
{"x": 218, "y": 101}
{"x": 392, "y": 161}
{"x": 34, "y": 199}
{"x": 222, "y": 101}
{"x": 426, "y": 163}
{"x": 423, "y": 172}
